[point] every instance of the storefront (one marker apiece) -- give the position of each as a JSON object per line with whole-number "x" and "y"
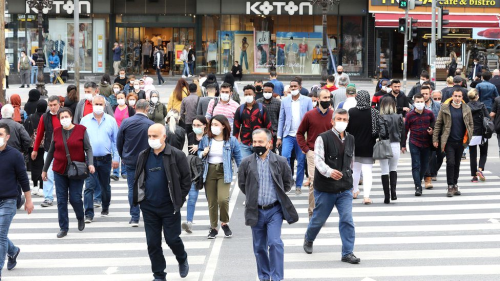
{"x": 473, "y": 27}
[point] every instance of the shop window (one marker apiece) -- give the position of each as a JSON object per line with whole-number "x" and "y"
{"x": 352, "y": 45}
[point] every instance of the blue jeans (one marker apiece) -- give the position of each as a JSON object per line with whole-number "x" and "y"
{"x": 91, "y": 182}
{"x": 65, "y": 186}
{"x": 243, "y": 55}
{"x": 160, "y": 78}
{"x": 48, "y": 186}
{"x": 419, "y": 162}
{"x": 34, "y": 74}
{"x": 116, "y": 171}
{"x": 101, "y": 175}
{"x": 191, "y": 67}
{"x": 8, "y": 209}
{"x": 245, "y": 150}
{"x": 135, "y": 212}
{"x": 225, "y": 57}
{"x": 185, "y": 71}
{"x": 267, "y": 244}
{"x": 191, "y": 202}
{"x": 290, "y": 143}
{"x": 322, "y": 210}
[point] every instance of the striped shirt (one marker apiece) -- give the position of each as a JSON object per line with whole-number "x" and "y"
{"x": 267, "y": 190}
{"x": 226, "y": 109}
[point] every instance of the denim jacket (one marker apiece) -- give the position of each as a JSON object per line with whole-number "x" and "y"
{"x": 231, "y": 151}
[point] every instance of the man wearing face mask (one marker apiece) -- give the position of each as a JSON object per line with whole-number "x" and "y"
{"x": 434, "y": 155}
{"x": 102, "y": 130}
{"x": 84, "y": 107}
{"x": 384, "y": 90}
{"x": 453, "y": 131}
{"x": 476, "y": 70}
{"x": 315, "y": 122}
{"x": 162, "y": 182}
{"x": 250, "y": 116}
{"x": 225, "y": 105}
{"x": 258, "y": 84}
{"x": 122, "y": 78}
{"x": 333, "y": 182}
{"x": 292, "y": 111}
{"x": 424, "y": 78}
{"x": 266, "y": 201}
{"x": 339, "y": 75}
{"x": 272, "y": 106}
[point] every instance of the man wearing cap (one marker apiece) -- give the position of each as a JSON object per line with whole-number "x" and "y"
{"x": 350, "y": 101}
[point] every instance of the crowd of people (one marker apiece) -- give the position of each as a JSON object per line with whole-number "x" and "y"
{"x": 261, "y": 134}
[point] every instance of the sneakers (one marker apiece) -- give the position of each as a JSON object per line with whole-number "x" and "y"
{"x": 187, "y": 226}
{"x": 34, "y": 191}
{"x": 227, "y": 232}
{"x": 184, "y": 76}
{"x": 351, "y": 258}
{"x": 450, "y": 191}
{"x": 474, "y": 179}
{"x": 480, "y": 175}
{"x": 298, "y": 191}
{"x": 124, "y": 177}
{"x": 88, "y": 219}
{"x": 213, "y": 233}
{"x": 114, "y": 177}
{"x": 47, "y": 203}
{"x": 308, "y": 246}
{"x": 13, "y": 260}
{"x": 134, "y": 223}
{"x": 97, "y": 204}
{"x": 456, "y": 191}
{"x": 104, "y": 213}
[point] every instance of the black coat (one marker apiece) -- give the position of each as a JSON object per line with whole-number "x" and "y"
{"x": 479, "y": 111}
{"x": 248, "y": 181}
{"x": 360, "y": 126}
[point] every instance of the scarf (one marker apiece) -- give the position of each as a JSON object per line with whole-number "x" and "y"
{"x": 15, "y": 100}
{"x": 363, "y": 103}
{"x": 152, "y": 107}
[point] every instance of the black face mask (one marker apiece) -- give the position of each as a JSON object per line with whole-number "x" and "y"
{"x": 325, "y": 104}
{"x": 339, "y": 72}
{"x": 258, "y": 88}
{"x": 260, "y": 150}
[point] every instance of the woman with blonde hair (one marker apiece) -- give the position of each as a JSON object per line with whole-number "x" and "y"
{"x": 176, "y": 135}
{"x": 453, "y": 64}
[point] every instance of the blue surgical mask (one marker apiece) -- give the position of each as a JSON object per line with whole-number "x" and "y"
{"x": 198, "y": 131}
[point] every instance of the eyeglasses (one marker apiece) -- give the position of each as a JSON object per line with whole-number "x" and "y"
{"x": 436, "y": 98}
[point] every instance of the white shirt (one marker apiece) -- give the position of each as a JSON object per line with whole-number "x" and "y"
{"x": 295, "y": 117}
{"x": 349, "y": 103}
{"x": 215, "y": 154}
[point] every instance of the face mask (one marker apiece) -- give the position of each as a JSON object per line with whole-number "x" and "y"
{"x": 260, "y": 150}
{"x": 249, "y": 99}
{"x": 216, "y": 130}
{"x": 88, "y": 97}
{"x": 475, "y": 62}
{"x": 419, "y": 106}
{"x": 2, "y": 142}
{"x": 98, "y": 109}
{"x": 121, "y": 101}
{"x": 142, "y": 87}
{"x": 116, "y": 90}
{"x": 325, "y": 104}
{"x": 198, "y": 131}
{"x": 339, "y": 72}
{"x": 137, "y": 87}
{"x": 224, "y": 97}
{"x": 340, "y": 126}
{"x": 422, "y": 81}
{"x": 268, "y": 95}
{"x": 384, "y": 88}
{"x": 122, "y": 76}
{"x": 457, "y": 103}
{"x": 388, "y": 90}
{"x": 258, "y": 88}
{"x": 154, "y": 100}
{"x": 154, "y": 144}
{"x": 66, "y": 122}
{"x": 315, "y": 103}
{"x": 437, "y": 101}
{"x": 294, "y": 92}
{"x": 131, "y": 102}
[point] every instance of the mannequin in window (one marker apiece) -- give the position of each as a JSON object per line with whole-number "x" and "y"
{"x": 303, "y": 54}
{"x": 291, "y": 54}
{"x": 226, "y": 52}
{"x": 281, "y": 55}
{"x": 262, "y": 56}
{"x": 243, "y": 54}
{"x": 59, "y": 47}
{"x": 317, "y": 54}
{"x": 147, "y": 48}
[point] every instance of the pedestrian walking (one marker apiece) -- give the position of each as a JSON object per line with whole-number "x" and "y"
{"x": 53, "y": 64}
{"x": 402, "y": 102}
{"x": 31, "y": 105}
{"x": 218, "y": 148}
{"x": 188, "y": 108}
{"x": 478, "y": 141}
{"x": 272, "y": 105}
{"x": 102, "y": 130}
{"x": 339, "y": 95}
{"x": 181, "y": 91}
{"x": 70, "y": 143}
{"x": 341, "y": 74}
{"x": 184, "y": 58}
{"x": 105, "y": 87}
{"x": 278, "y": 85}
{"x": 117, "y": 57}
{"x": 122, "y": 112}
{"x": 453, "y": 132}
{"x": 72, "y": 98}
{"x": 19, "y": 115}
{"x": 24, "y": 69}
{"x": 424, "y": 79}
{"x": 121, "y": 78}
{"x": 330, "y": 84}
{"x": 495, "y": 115}
{"x": 176, "y": 135}
{"x": 157, "y": 110}
{"x": 159, "y": 61}
{"x": 201, "y": 108}
{"x": 85, "y": 107}
{"x": 7, "y": 73}
{"x": 224, "y": 106}
{"x": 333, "y": 184}
{"x": 267, "y": 203}
{"x": 162, "y": 182}
{"x": 434, "y": 155}
{"x": 132, "y": 139}
{"x": 350, "y": 100}
{"x": 131, "y": 100}
{"x": 487, "y": 91}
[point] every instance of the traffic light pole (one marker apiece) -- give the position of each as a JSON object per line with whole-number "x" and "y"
{"x": 433, "y": 42}
{"x": 405, "y": 55}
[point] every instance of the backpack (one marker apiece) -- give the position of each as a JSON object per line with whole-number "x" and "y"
{"x": 242, "y": 107}
{"x": 197, "y": 169}
{"x": 488, "y": 126}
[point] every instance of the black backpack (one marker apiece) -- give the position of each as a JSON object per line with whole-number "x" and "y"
{"x": 488, "y": 126}
{"x": 197, "y": 169}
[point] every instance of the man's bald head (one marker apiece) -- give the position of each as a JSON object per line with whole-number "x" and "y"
{"x": 157, "y": 132}
{"x": 98, "y": 100}
{"x": 496, "y": 72}
{"x": 340, "y": 68}
{"x": 158, "y": 129}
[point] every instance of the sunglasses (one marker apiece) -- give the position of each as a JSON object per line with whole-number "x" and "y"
{"x": 436, "y": 98}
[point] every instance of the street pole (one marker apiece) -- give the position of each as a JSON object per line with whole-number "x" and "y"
{"x": 324, "y": 58}
{"x": 405, "y": 54}
{"x": 76, "y": 46}
{"x": 40, "y": 85}
{"x": 2, "y": 50}
{"x": 433, "y": 42}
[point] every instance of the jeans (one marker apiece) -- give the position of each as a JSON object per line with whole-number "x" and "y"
{"x": 225, "y": 57}
{"x": 483, "y": 154}
{"x": 7, "y": 212}
{"x": 191, "y": 67}
{"x": 157, "y": 219}
{"x": 324, "y": 206}
{"x": 101, "y": 175}
{"x": 243, "y": 55}
{"x": 116, "y": 171}
{"x": 435, "y": 162}
{"x": 419, "y": 162}
{"x": 191, "y": 202}
{"x": 454, "y": 152}
{"x": 91, "y": 182}
{"x": 65, "y": 186}
{"x": 289, "y": 144}
{"x": 267, "y": 244}
{"x": 160, "y": 78}
{"x": 52, "y": 75}
{"x": 185, "y": 71}
{"x": 135, "y": 212}
{"x": 34, "y": 74}
{"x": 245, "y": 150}
{"x": 48, "y": 186}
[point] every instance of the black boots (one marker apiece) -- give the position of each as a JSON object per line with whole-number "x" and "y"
{"x": 394, "y": 180}
{"x": 385, "y": 186}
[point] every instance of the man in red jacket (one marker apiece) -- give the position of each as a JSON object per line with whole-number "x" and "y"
{"x": 315, "y": 122}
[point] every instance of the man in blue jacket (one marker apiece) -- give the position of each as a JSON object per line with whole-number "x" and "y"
{"x": 53, "y": 64}
{"x": 487, "y": 91}
{"x": 131, "y": 140}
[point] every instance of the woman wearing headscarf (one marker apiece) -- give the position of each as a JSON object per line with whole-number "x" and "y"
{"x": 157, "y": 110}
{"x": 211, "y": 79}
{"x": 148, "y": 87}
{"x": 365, "y": 135}
{"x": 32, "y": 103}
{"x": 19, "y": 114}
{"x": 31, "y": 126}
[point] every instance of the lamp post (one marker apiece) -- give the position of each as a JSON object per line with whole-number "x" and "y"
{"x": 40, "y": 5}
{"x": 325, "y": 4}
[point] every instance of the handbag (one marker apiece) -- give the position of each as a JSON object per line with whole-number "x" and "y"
{"x": 382, "y": 149}
{"x": 75, "y": 170}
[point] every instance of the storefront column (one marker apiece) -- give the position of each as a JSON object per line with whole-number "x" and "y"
{"x": 111, "y": 42}
{"x": 198, "y": 46}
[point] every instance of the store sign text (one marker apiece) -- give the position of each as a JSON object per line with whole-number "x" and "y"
{"x": 452, "y": 3}
{"x": 265, "y": 8}
{"x": 59, "y": 5}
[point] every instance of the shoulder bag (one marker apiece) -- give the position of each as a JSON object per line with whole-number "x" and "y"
{"x": 75, "y": 170}
{"x": 382, "y": 148}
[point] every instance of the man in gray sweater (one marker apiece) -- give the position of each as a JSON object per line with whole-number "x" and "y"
{"x": 204, "y": 101}
{"x": 188, "y": 108}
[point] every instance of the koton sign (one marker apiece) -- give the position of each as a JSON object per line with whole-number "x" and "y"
{"x": 277, "y": 8}
{"x": 59, "y": 5}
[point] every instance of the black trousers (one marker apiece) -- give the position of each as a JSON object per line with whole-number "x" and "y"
{"x": 188, "y": 128}
{"x": 435, "y": 162}
{"x": 454, "y": 152}
{"x": 160, "y": 78}
{"x": 483, "y": 154}
{"x": 145, "y": 60}
{"x": 157, "y": 219}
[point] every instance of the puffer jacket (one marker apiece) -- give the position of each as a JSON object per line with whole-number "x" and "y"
{"x": 442, "y": 128}
{"x": 479, "y": 111}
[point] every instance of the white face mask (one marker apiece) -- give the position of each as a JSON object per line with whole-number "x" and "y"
{"x": 216, "y": 130}
{"x": 137, "y": 87}
{"x": 116, "y": 90}
{"x": 2, "y": 142}
{"x": 388, "y": 90}
{"x": 122, "y": 76}
{"x": 475, "y": 62}
{"x": 457, "y": 103}
{"x": 268, "y": 95}
{"x": 295, "y": 92}
{"x": 121, "y": 102}
{"x": 422, "y": 81}
{"x": 249, "y": 99}
{"x": 141, "y": 87}
{"x": 98, "y": 109}
{"x": 420, "y": 106}
{"x": 154, "y": 100}
{"x": 340, "y": 126}
{"x": 224, "y": 97}
{"x": 437, "y": 101}
{"x": 88, "y": 97}
{"x": 131, "y": 102}
{"x": 154, "y": 144}
{"x": 315, "y": 103}
{"x": 66, "y": 122}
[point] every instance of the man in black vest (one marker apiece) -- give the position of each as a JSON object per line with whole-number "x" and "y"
{"x": 334, "y": 150}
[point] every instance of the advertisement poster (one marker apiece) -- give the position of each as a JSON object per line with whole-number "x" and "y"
{"x": 295, "y": 51}
{"x": 100, "y": 53}
{"x": 243, "y": 50}
{"x": 178, "y": 52}
{"x": 226, "y": 50}
{"x": 84, "y": 47}
{"x": 486, "y": 33}
{"x": 262, "y": 40}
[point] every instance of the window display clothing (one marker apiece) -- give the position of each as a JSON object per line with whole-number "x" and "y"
{"x": 59, "y": 48}
{"x": 212, "y": 51}
{"x": 226, "y": 50}
{"x": 317, "y": 55}
{"x": 281, "y": 54}
{"x": 291, "y": 54}
{"x": 302, "y": 50}
{"x": 147, "y": 48}
{"x": 243, "y": 55}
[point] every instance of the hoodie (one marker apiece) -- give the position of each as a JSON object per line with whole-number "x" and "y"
{"x": 148, "y": 86}
{"x": 31, "y": 104}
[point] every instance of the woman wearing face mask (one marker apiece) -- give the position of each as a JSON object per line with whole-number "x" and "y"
{"x": 117, "y": 88}
{"x": 378, "y": 95}
{"x": 176, "y": 135}
{"x": 129, "y": 87}
{"x": 218, "y": 149}
{"x": 105, "y": 88}
{"x": 194, "y": 138}
{"x": 132, "y": 100}
{"x": 396, "y": 129}
{"x": 122, "y": 111}
{"x": 78, "y": 143}
{"x": 141, "y": 95}
{"x": 157, "y": 110}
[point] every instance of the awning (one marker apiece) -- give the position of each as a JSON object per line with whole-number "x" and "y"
{"x": 424, "y": 20}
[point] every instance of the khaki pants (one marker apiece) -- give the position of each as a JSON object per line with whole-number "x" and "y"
{"x": 116, "y": 67}
{"x": 217, "y": 194}
{"x": 310, "y": 169}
